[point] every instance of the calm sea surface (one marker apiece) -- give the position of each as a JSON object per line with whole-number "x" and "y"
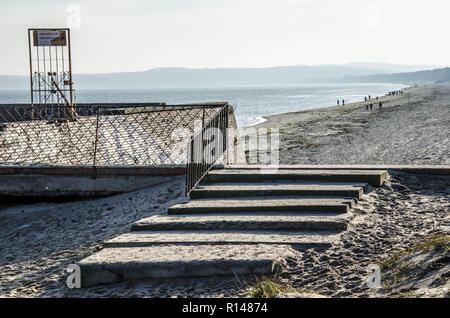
{"x": 251, "y": 103}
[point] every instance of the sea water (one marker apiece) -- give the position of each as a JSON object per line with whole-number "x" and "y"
{"x": 251, "y": 103}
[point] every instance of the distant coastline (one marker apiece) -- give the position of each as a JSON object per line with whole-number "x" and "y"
{"x": 409, "y": 128}
{"x": 284, "y": 118}
{"x": 351, "y": 105}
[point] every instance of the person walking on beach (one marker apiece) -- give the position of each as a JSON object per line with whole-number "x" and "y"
{"x": 365, "y": 99}
{"x": 380, "y": 105}
{"x": 338, "y": 102}
{"x": 371, "y": 106}
{"x": 369, "y": 97}
{"x": 367, "y": 106}
{"x": 343, "y": 102}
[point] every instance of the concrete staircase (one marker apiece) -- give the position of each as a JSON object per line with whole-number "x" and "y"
{"x": 238, "y": 221}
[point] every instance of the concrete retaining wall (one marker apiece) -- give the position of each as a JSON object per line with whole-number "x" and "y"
{"x": 80, "y": 181}
{"x": 93, "y": 171}
{"x": 59, "y": 181}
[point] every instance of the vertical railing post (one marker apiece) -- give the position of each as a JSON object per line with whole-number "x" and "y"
{"x": 226, "y": 133}
{"x": 94, "y": 164}
{"x": 189, "y": 165}
{"x": 203, "y": 116}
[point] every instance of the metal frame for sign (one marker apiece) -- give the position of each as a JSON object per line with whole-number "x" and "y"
{"x": 51, "y": 73}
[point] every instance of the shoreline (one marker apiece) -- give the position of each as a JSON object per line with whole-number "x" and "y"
{"x": 349, "y": 106}
{"x": 267, "y": 118}
{"x": 409, "y": 129}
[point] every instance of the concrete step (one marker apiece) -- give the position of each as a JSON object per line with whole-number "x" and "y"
{"x": 239, "y": 222}
{"x": 113, "y": 265}
{"x": 372, "y": 177}
{"x": 223, "y": 190}
{"x": 297, "y": 239}
{"x": 263, "y": 204}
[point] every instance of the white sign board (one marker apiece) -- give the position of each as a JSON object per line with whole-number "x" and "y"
{"x": 49, "y": 38}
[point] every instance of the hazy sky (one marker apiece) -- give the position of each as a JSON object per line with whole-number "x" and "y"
{"x": 136, "y": 35}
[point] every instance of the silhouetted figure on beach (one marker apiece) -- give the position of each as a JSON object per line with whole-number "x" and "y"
{"x": 367, "y": 106}
{"x": 371, "y": 106}
{"x": 338, "y": 102}
{"x": 365, "y": 98}
{"x": 380, "y": 105}
{"x": 343, "y": 102}
{"x": 377, "y": 98}
{"x": 369, "y": 96}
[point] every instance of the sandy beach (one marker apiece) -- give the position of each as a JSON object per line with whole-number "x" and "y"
{"x": 39, "y": 241}
{"x": 410, "y": 128}
{"x": 390, "y": 220}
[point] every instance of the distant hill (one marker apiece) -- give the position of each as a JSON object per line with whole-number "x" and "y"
{"x": 380, "y": 68}
{"x": 223, "y": 77}
{"x": 431, "y": 76}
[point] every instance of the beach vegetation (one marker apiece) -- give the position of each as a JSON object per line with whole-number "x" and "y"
{"x": 269, "y": 288}
{"x": 439, "y": 243}
{"x": 398, "y": 269}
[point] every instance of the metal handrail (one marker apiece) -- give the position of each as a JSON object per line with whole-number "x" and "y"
{"x": 206, "y": 147}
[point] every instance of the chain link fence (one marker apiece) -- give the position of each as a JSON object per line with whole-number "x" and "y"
{"x": 100, "y": 134}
